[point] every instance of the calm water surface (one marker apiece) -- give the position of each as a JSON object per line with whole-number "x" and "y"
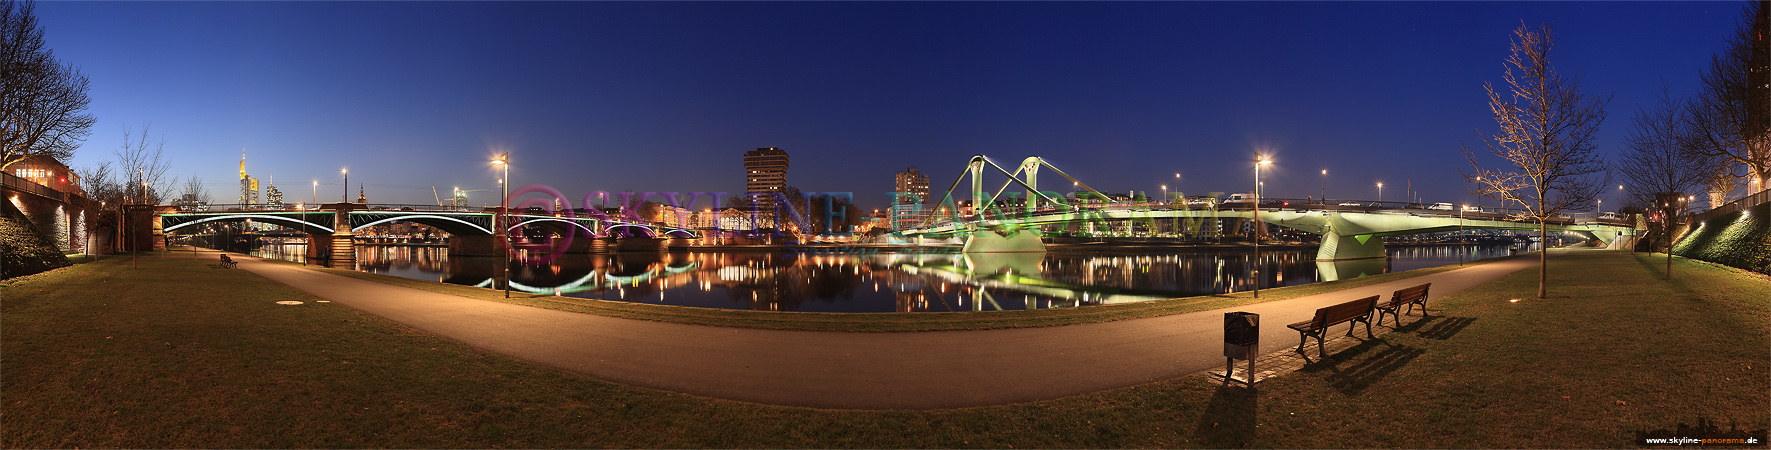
{"x": 783, "y": 281}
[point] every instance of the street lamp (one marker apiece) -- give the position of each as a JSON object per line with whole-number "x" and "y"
{"x": 503, "y": 161}
{"x": 316, "y": 201}
{"x": 347, "y": 184}
{"x": 1258, "y": 227}
{"x": 1380, "y": 195}
{"x": 1324, "y": 186}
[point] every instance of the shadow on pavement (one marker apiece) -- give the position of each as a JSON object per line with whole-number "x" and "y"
{"x": 1229, "y": 418}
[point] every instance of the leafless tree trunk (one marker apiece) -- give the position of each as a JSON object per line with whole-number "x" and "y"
{"x": 42, "y": 102}
{"x": 1545, "y": 139}
{"x": 193, "y": 189}
{"x": 1731, "y": 117}
{"x": 1656, "y": 160}
{"x": 144, "y": 167}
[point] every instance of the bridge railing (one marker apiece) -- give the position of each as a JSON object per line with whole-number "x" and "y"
{"x": 1472, "y": 212}
{"x": 304, "y": 207}
{"x": 26, "y": 185}
{"x": 1741, "y": 204}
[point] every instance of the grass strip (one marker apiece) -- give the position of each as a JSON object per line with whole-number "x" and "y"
{"x": 179, "y": 353}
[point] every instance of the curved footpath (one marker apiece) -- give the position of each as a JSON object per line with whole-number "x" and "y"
{"x": 927, "y": 370}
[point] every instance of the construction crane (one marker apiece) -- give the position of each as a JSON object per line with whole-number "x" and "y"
{"x": 457, "y": 201}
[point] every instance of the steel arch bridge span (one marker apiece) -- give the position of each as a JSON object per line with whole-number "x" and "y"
{"x": 309, "y": 221}
{"x": 458, "y": 224}
{"x": 558, "y": 225}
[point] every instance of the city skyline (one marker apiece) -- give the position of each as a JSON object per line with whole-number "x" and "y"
{"x": 668, "y": 96}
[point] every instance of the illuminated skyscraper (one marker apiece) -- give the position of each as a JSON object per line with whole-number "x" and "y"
{"x": 765, "y": 173}
{"x": 908, "y": 209}
{"x": 248, "y": 185}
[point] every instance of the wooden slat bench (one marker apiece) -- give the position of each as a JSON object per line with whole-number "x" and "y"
{"x": 228, "y": 262}
{"x": 1354, "y": 311}
{"x": 1406, "y": 297}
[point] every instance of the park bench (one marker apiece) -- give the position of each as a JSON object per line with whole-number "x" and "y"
{"x": 228, "y": 262}
{"x": 1406, "y": 297}
{"x": 1354, "y": 311}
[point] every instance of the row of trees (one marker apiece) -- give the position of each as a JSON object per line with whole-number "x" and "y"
{"x": 1544, "y": 158}
{"x": 43, "y": 114}
{"x": 1713, "y": 141}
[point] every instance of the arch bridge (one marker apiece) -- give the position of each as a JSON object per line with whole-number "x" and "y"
{"x": 471, "y": 232}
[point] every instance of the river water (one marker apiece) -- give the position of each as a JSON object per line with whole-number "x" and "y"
{"x": 882, "y": 282}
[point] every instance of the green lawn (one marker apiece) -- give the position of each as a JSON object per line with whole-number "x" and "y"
{"x": 181, "y": 354}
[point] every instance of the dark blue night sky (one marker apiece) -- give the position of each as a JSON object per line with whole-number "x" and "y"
{"x": 668, "y": 96}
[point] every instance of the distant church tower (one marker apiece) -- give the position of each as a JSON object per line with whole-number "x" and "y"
{"x": 360, "y": 199}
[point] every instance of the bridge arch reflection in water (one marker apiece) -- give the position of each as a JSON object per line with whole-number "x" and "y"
{"x": 893, "y": 282}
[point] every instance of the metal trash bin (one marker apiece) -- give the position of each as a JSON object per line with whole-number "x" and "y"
{"x": 1242, "y": 340}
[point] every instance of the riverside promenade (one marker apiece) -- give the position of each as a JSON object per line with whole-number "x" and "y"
{"x": 844, "y": 370}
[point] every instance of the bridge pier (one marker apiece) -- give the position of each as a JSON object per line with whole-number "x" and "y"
{"x": 1017, "y": 241}
{"x": 319, "y": 247}
{"x": 344, "y": 243}
{"x": 474, "y": 245}
{"x": 1336, "y": 247}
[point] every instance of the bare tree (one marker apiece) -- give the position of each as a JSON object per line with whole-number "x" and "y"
{"x": 42, "y": 102}
{"x": 100, "y": 183}
{"x": 1545, "y": 138}
{"x": 1656, "y": 161}
{"x": 1731, "y": 116}
{"x": 144, "y": 166}
{"x": 194, "y": 190}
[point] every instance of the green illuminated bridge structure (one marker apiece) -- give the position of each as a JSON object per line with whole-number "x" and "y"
{"x": 1006, "y": 222}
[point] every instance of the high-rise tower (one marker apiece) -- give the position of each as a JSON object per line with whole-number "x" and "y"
{"x": 908, "y": 209}
{"x": 913, "y": 182}
{"x": 765, "y": 174}
{"x": 248, "y": 185}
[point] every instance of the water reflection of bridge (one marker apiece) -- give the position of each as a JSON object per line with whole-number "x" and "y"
{"x": 904, "y": 282}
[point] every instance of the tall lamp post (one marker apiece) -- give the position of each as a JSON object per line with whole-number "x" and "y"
{"x": 1258, "y": 227}
{"x": 1380, "y": 195}
{"x": 1324, "y": 186}
{"x": 316, "y": 201}
{"x": 347, "y": 184}
{"x": 503, "y": 161}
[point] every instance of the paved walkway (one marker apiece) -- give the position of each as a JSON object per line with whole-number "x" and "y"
{"x": 927, "y": 370}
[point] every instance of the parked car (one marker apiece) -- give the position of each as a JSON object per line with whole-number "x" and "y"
{"x": 1440, "y": 207}
{"x": 1239, "y": 197}
{"x": 1350, "y": 204}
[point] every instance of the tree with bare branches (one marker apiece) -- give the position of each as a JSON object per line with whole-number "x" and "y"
{"x": 194, "y": 191}
{"x": 42, "y": 101}
{"x": 144, "y": 167}
{"x": 1545, "y": 139}
{"x": 1657, "y": 162}
{"x": 1730, "y": 117}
